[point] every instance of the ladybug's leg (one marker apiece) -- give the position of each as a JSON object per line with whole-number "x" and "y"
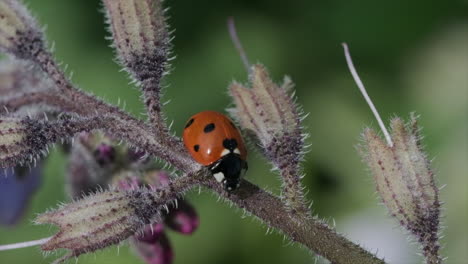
{"x": 217, "y": 172}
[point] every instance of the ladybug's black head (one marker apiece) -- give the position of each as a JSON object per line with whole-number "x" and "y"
{"x": 228, "y": 171}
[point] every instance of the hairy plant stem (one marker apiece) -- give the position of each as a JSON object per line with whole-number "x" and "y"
{"x": 311, "y": 233}
{"x": 48, "y": 98}
{"x": 81, "y": 100}
{"x": 88, "y": 105}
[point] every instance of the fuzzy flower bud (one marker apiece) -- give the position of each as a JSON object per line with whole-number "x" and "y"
{"x": 19, "y": 34}
{"x": 15, "y": 141}
{"x": 22, "y": 140}
{"x": 152, "y": 244}
{"x": 179, "y": 216}
{"x": 100, "y": 220}
{"x": 157, "y": 178}
{"x": 157, "y": 252}
{"x": 90, "y": 165}
{"x": 270, "y": 114}
{"x": 151, "y": 233}
{"x": 140, "y": 35}
{"x": 406, "y": 183}
{"x": 142, "y": 41}
{"x": 183, "y": 218}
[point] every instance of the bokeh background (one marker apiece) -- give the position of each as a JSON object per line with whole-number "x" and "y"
{"x": 412, "y": 56}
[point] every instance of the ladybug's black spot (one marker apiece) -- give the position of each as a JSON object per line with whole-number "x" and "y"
{"x": 208, "y": 128}
{"x": 190, "y": 122}
{"x": 230, "y": 144}
{"x": 196, "y": 147}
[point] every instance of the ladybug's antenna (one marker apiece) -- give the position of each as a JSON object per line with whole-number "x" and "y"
{"x": 235, "y": 39}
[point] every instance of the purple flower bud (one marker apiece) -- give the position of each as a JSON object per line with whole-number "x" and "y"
{"x": 92, "y": 163}
{"x": 182, "y": 218}
{"x": 159, "y": 252}
{"x": 137, "y": 156}
{"x": 104, "y": 154}
{"x": 151, "y": 233}
{"x": 16, "y": 189}
{"x": 84, "y": 174}
{"x": 157, "y": 178}
{"x": 129, "y": 183}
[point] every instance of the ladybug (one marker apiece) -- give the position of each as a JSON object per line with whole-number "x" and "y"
{"x": 214, "y": 141}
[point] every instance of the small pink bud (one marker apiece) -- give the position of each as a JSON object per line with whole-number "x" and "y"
{"x": 129, "y": 183}
{"x": 157, "y": 178}
{"x": 135, "y": 156}
{"x": 159, "y": 252}
{"x": 182, "y": 218}
{"x": 151, "y": 233}
{"x": 104, "y": 154}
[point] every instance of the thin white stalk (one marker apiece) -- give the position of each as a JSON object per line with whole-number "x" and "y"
{"x": 24, "y": 244}
{"x": 237, "y": 43}
{"x": 359, "y": 83}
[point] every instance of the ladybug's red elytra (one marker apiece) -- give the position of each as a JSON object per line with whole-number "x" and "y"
{"x": 214, "y": 141}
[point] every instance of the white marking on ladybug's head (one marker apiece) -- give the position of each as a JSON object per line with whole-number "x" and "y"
{"x": 219, "y": 176}
{"x": 229, "y": 188}
{"x": 225, "y": 152}
{"x": 237, "y": 151}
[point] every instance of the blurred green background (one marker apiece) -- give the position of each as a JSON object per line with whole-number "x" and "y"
{"x": 412, "y": 56}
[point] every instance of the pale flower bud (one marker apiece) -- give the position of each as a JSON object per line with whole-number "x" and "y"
{"x": 405, "y": 182}
{"x": 19, "y": 34}
{"x": 141, "y": 39}
{"x": 100, "y": 220}
{"x": 269, "y": 113}
{"x": 23, "y": 140}
{"x": 15, "y": 142}
{"x": 140, "y": 35}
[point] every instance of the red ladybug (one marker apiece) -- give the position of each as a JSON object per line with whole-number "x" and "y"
{"x": 214, "y": 141}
